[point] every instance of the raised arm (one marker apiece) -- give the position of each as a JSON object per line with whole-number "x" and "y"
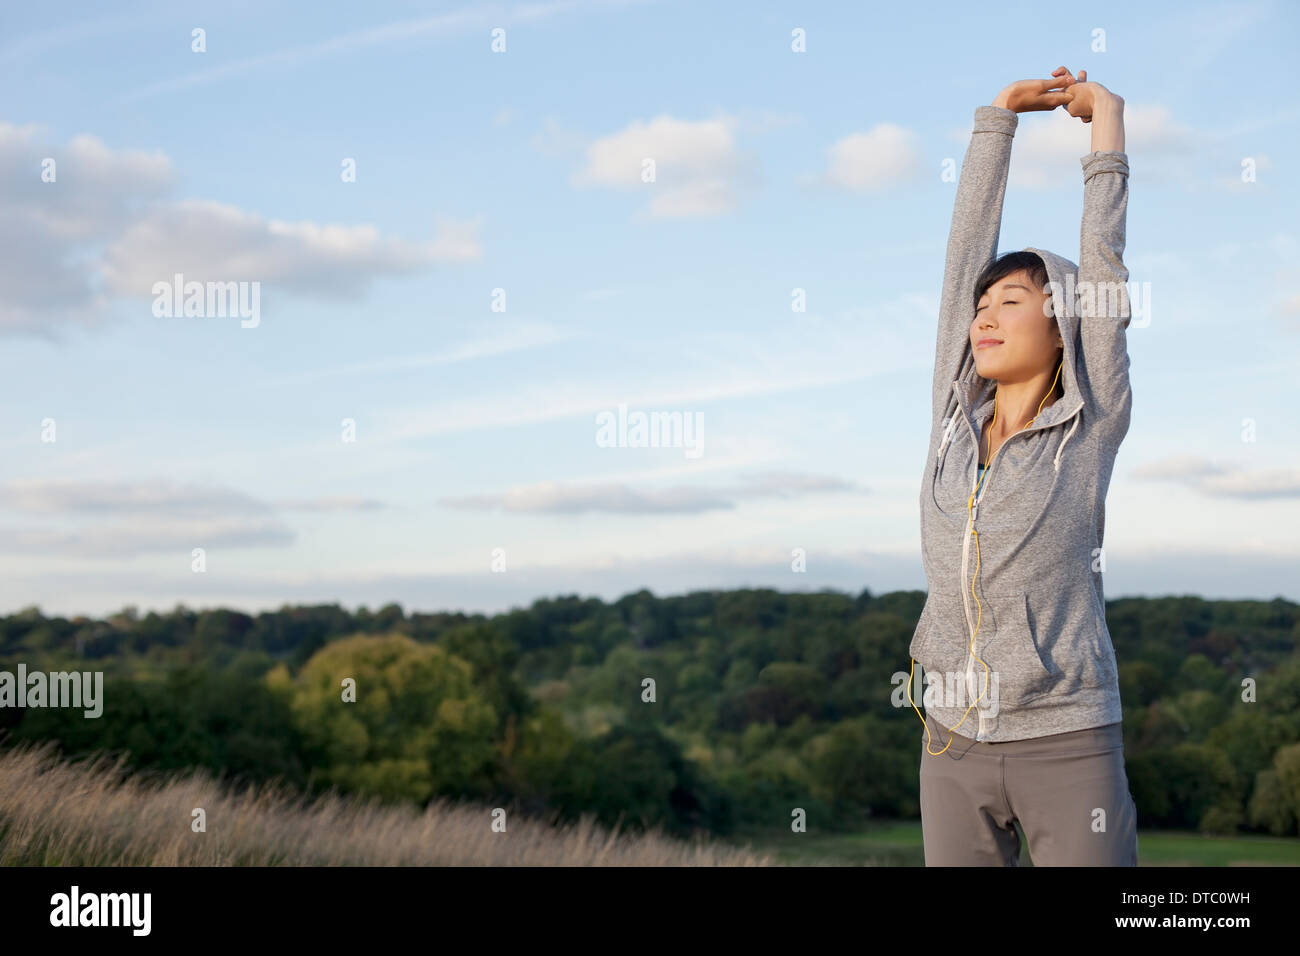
{"x": 977, "y": 219}
{"x": 1103, "y": 278}
{"x": 972, "y": 241}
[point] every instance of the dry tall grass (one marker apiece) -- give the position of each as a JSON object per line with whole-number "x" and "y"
{"x": 55, "y": 812}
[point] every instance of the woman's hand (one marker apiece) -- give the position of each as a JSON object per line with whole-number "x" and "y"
{"x": 1026, "y": 96}
{"x": 1086, "y": 98}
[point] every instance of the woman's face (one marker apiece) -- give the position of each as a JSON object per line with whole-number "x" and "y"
{"x": 1011, "y": 335}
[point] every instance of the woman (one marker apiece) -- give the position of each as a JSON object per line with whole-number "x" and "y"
{"x": 1031, "y": 400}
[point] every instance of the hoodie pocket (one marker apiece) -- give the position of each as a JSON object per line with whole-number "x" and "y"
{"x": 1016, "y": 657}
{"x": 941, "y": 644}
{"x": 1104, "y": 670}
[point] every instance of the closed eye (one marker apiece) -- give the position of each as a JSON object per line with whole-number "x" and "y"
{"x": 1004, "y": 302}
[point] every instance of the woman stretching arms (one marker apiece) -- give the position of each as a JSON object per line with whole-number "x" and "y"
{"x": 1031, "y": 400}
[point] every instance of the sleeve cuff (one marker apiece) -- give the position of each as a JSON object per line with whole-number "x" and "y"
{"x": 995, "y": 119}
{"x": 1104, "y": 161}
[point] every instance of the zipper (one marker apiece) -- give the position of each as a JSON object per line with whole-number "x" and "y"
{"x": 970, "y": 629}
{"x": 975, "y": 438}
{"x": 970, "y": 529}
{"x": 965, "y": 564}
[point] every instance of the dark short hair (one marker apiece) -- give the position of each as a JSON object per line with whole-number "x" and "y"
{"x": 1006, "y": 264}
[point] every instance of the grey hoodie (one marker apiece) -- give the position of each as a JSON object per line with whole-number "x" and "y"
{"x": 1014, "y": 578}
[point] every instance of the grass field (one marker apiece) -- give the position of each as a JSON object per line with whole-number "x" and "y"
{"x": 55, "y": 812}
{"x": 899, "y": 844}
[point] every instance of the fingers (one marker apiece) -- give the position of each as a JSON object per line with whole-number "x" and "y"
{"x": 1064, "y": 75}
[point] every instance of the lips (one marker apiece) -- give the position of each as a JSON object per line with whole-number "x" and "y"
{"x": 987, "y": 343}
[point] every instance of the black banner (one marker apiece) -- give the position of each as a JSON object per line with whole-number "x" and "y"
{"x": 331, "y": 905}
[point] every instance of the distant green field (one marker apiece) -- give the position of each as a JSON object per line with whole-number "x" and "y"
{"x": 899, "y": 844}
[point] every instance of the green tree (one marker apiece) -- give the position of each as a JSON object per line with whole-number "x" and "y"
{"x": 419, "y": 727}
{"x": 637, "y": 777}
{"x": 1276, "y": 802}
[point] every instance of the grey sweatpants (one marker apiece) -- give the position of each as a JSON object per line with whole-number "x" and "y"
{"x": 1068, "y": 791}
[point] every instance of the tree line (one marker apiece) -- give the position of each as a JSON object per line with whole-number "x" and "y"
{"x": 712, "y": 711}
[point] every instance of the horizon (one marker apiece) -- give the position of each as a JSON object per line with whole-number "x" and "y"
{"x": 408, "y": 612}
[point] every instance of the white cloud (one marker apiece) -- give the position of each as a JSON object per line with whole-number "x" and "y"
{"x": 618, "y": 498}
{"x": 160, "y": 497}
{"x": 152, "y": 516}
{"x": 339, "y": 503}
{"x": 1151, "y": 129}
{"x": 1179, "y": 468}
{"x": 1224, "y": 481}
{"x": 103, "y": 228}
{"x": 210, "y": 241}
{"x": 699, "y": 169}
{"x": 49, "y": 229}
{"x": 95, "y": 188}
{"x": 884, "y": 156}
{"x": 156, "y": 498}
{"x": 145, "y": 537}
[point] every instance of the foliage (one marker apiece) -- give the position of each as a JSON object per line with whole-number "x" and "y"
{"x": 765, "y": 705}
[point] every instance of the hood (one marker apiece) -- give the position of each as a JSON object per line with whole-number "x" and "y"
{"x": 978, "y": 391}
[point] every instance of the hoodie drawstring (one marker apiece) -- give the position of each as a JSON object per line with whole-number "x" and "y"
{"x": 947, "y": 434}
{"x": 1057, "y": 462}
{"x": 952, "y": 425}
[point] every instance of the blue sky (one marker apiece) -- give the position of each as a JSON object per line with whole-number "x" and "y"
{"x": 499, "y": 274}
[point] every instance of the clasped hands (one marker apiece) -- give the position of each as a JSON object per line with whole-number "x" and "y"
{"x": 1078, "y": 95}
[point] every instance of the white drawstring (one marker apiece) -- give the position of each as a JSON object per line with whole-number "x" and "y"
{"x": 952, "y": 423}
{"x": 947, "y": 434}
{"x": 1057, "y": 464}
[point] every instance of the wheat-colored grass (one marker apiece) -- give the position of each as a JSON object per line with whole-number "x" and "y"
{"x": 57, "y": 812}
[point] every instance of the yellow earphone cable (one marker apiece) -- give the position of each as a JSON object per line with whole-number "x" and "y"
{"x": 969, "y": 506}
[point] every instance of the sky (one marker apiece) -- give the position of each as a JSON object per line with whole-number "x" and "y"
{"x": 474, "y": 241}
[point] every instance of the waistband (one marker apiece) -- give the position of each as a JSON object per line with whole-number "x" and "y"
{"x": 1088, "y": 740}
